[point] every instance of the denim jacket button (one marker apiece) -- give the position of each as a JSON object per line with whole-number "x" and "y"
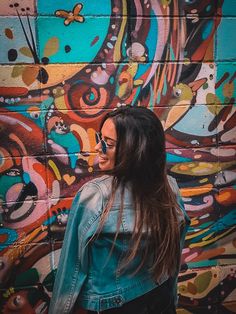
{"x": 118, "y": 300}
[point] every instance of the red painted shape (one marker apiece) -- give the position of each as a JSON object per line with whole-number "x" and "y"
{"x": 13, "y": 91}
{"x": 94, "y": 41}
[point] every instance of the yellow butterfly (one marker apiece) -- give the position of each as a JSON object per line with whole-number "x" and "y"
{"x": 71, "y": 16}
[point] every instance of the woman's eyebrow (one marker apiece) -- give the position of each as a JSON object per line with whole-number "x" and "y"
{"x": 109, "y": 138}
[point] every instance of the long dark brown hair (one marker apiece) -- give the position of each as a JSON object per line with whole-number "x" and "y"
{"x": 140, "y": 162}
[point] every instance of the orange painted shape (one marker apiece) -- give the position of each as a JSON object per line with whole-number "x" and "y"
{"x": 191, "y": 287}
{"x": 40, "y": 169}
{"x": 6, "y": 164}
{"x": 208, "y": 254}
{"x": 226, "y": 197}
{"x": 69, "y": 179}
{"x": 183, "y": 167}
{"x": 196, "y": 190}
{"x": 17, "y": 161}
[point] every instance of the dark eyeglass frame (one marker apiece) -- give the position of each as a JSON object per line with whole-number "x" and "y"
{"x": 104, "y": 144}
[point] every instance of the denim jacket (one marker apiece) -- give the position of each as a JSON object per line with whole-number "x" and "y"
{"x": 87, "y": 273}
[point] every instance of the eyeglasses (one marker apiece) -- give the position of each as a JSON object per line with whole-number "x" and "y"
{"x": 105, "y": 146}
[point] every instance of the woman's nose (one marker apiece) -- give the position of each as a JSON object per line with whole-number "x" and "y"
{"x": 98, "y": 147}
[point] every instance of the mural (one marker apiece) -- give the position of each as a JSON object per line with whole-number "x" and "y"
{"x": 63, "y": 66}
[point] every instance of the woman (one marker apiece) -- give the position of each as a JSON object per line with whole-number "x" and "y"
{"x": 126, "y": 229}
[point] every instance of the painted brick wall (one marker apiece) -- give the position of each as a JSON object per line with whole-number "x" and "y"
{"x": 64, "y": 64}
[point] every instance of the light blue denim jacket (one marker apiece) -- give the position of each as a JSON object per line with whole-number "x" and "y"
{"x": 87, "y": 272}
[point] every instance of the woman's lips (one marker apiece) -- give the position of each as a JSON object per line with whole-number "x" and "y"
{"x": 102, "y": 159}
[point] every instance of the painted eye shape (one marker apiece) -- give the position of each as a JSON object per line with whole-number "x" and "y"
{"x": 177, "y": 92}
{"x": 34, "y": 115}
{"x": 16, "y": 302}
{"x": 13, "y": 172}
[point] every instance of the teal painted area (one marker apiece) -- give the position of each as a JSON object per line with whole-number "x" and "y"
{"x": 69, "y": 142}
{"x": 152, "y": 38}
{"x": 26, "y": 178}
{"x": 7, "y": 181}
{"x": 151, "y": 43}
{"x": 229, "y": 220}
{"x": 208, "y": 8}
{"x": 229, "y": 8}
{"x": 90, "y": 7}
{"x": 225, "y": 40}
{"x": 164, "y": 91}
{"x": 221, "y": 225}
{"x": 52, "y": 219}
{"x": 11, "y": 237}
{"x": 206, "y": 225}
{"x": 135, "y": 98}
{"x": 176, "y": 158}
{"x": 142, "y": 68}
{"x": 65, "y": 140}
{"x": 206, "y": 263}
{"x": 123, "y": 47}
{"x": 37, "y": 117}
{"x": 207, "y": 30}
{"x": 172, "y": 55}
{"x": 45, "y": 105}
{"x": 80, "y": 37}
{"x": 112, "y": 80}
{"x": 18, "y": 41}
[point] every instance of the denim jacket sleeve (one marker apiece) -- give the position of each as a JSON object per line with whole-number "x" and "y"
{"x": 73, "y": 264}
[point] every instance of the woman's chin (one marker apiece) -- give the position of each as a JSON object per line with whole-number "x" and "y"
{"x": 104, "y": 165}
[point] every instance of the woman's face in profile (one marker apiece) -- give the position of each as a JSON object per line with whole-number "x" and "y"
{"x": 108, "y": 138}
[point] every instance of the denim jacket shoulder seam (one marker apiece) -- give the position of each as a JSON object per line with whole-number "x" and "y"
{"x": 99, "y": 188}
{"x": 92, "y": 220}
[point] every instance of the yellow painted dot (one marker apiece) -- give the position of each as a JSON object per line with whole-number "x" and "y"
{"x": 203, "y": 180}
{"x": 90, "y": 169}
{"x": 182, "y": 289}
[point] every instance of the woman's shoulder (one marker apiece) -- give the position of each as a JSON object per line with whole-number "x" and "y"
{"x": 100, "y": 181}
{"x": 91, "y": 195}
{"x": 101, "y": 185}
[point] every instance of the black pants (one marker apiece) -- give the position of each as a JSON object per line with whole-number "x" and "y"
{"x": 158, "y": 301}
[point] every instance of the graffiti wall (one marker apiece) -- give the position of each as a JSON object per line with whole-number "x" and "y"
{"x": 64, "y": 64}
